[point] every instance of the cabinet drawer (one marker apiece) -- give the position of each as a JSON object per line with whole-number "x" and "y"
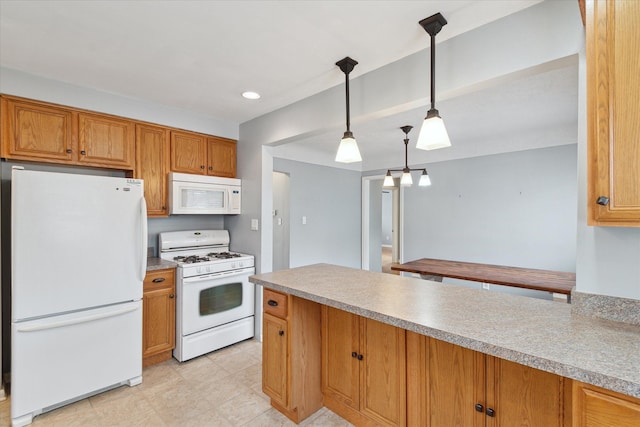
{"x": 159, "y": 279}
{"x": 275, "y": 303}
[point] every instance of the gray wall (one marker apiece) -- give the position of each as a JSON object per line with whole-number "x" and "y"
{"x": 330, "y": 199}
{"x": 516, "y": 209}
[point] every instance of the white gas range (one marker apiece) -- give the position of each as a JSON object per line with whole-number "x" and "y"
{"x": 216, "y": 301}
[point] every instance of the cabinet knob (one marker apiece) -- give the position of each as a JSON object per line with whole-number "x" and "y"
{"x": 83, "y": 152}
{"x": 354, "y": 354}
{"x": 164, "y": 208}
{"x": 281, "y": 332}
{"x": 171, "y": 296}
{"x": 360, "y": 357}
{"x": 69, "y": 150}
{"x": 158, "y": 280}
{"x": 491, "y": 412}
{"x": 272, "y": 303}
{"x": 602, "y": 201}
{"x": 201, "y": 166}
{"x": 479, "y": 408}
{"x": 210, "y": 168}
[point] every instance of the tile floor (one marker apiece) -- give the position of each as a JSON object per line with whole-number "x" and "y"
{"x": 222, "y": 388}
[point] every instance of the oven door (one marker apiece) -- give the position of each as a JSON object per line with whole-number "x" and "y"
{"x": 215, "y": 299}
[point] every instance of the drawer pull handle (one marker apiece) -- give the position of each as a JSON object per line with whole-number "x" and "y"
{"x": 272, "y": 303}
{"x": 491, "y": 412}
{"x": 281, "y": 333}
{"x": 479, "y": 408}
{"x": 602, "y": 201}
{"x": 158, "y": 280}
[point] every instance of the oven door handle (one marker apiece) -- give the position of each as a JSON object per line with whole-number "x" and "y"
{"x": 221, "y": 275}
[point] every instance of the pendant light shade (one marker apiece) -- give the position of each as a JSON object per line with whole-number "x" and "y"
{"x": 406, "y": 180}
{"x": 388, "y": 180}
{"x": 433, "y": 134}
{"x": 425, "y": 181}
{"x": 348, "y": 151}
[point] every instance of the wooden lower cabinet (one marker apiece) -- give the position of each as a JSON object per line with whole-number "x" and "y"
{"x": 449, "y": 385}
{"x": 159, "y": 316}
{"x": 363, "y": 369}
{"x": 596, "y": 407}
{"x": 291, "y": 354}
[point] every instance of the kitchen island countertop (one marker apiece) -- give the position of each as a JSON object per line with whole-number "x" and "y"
{"x": 537, "y": 333}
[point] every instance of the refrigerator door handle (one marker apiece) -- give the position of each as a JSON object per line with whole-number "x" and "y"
{"x": 43, "y": 325}
{"x": 143, "y": 238}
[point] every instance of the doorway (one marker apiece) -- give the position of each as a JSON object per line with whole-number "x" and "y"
{"x": 281, "y": 224}
{"x": 381, "y": 225}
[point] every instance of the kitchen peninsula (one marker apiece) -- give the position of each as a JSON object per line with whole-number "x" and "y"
{"x": 438, "y": 339}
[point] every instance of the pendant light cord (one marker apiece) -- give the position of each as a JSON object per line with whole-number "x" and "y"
{"x": 346, "y": 79}
{"x": 433, "y": 71}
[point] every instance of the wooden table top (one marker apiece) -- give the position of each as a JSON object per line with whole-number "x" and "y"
{"x": 542, "y": 280}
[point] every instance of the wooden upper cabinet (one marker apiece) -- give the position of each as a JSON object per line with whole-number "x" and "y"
{"x": 106, "y": 141}
{"x": 34, "y": 131}
{"x": 188, "y": 152}
{"x": 613, "y": 76}
{"x": 152, "y": 158}
{"x": 221, "y": 157}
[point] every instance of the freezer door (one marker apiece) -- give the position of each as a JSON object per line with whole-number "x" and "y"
{"x": 61, "y": 358}
{"x": 78, "y": 242}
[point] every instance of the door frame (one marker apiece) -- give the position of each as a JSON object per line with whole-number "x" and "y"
{"x": 366, "y": 188}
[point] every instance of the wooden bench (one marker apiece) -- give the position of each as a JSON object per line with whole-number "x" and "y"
{"x": 558, "y": 282}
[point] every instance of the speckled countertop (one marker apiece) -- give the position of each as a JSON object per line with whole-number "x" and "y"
{"x": 538, "y": 333}
{"x": 159, "y": 264}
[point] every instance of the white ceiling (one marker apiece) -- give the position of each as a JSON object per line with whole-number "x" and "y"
{"x": 201, "y": 55}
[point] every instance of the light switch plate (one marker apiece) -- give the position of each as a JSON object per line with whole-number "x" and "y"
{"x": 254, "y": 225}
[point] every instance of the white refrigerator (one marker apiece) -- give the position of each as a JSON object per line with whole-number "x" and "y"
{"x": 78, "y": 259}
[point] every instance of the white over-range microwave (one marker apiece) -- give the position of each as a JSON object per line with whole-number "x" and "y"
{"x": 200, "y": 194}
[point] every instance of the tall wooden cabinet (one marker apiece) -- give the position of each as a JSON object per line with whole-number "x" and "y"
{"x": 291, "y": 354}
{"x": 152, "y": 164}
{"x": 467, "y": 388}
{"x": 159, "y": 316}
{"x": 613, "y": 76}
{"x": 363, "y": 369}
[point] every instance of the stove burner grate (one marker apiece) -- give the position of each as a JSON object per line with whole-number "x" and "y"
{"x": 223, "y": 255}
{"x": 191, "y": 259}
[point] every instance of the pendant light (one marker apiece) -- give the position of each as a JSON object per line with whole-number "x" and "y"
{"x": 348, "y": 149}
{"x": 433, "y": 134}
{"x": 406, "y": 180}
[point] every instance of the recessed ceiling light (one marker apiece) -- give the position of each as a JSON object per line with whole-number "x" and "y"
{"x": 251, "y": 95}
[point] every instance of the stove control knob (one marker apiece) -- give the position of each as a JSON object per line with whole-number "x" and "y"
{"x": 199, "y": 270}
{"x": 209, "y": 269}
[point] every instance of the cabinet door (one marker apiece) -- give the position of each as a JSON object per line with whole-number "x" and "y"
{"x": 188, "y": 153}
{"x": 613, "y": 68}
{"x": 340, "y": 350}
{"x": 382, "y": 373}
{"x": 106, "y": 141}
{"x": 152, "y": 157}
{"x": 221, "y": 157}
{"x": 523, "y": 396}
{"x": 32, "y": 131}
{"x": 595, "y": 407}
{"x": 275, "y": 359}
{"x": 456, "y": 385}
{"x": 158, "y": 311}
